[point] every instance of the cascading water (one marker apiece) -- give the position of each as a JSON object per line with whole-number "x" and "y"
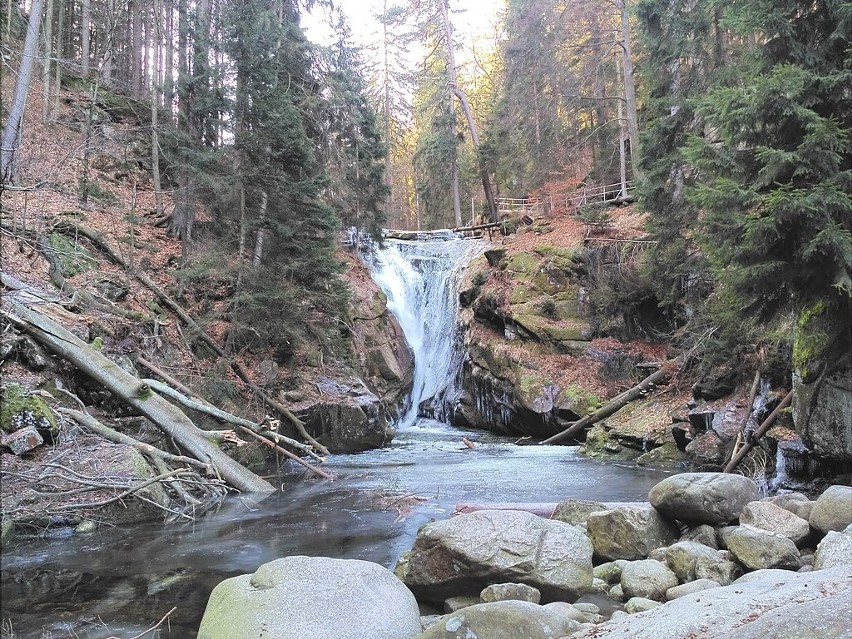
{"x": 420, "y": 279}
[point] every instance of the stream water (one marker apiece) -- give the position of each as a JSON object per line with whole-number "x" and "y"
{"x": 120, "y": 581}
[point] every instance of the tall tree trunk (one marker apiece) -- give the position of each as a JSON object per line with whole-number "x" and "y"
{"x": 630, "y": 92}
{"x": 155, "y": 106}
{"x": 451, "y": 62}
{"x": 135, "y": 8}
{"x": 622, "y": 154}
{"x": 260, "y": 238}
{"x": 85, "y": 33}
{"x": 183, "y": 68}
{"x": 48, "y": 54}
{"x": 12, "y": 131}
{"x": 57, "y": 66}
{"x": 483, "y": 171}
{"x": 168, "y": 77}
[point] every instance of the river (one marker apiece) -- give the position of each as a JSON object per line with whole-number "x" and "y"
{"x": 120, "y": 581}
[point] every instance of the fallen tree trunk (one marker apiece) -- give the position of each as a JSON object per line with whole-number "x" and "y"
{"x": 134, "y": 392}
{"x": 619, "y": 402}
{"x": 166, "y": 299}
{"x": 288, "y": 454}
{"x": 760, "y": 432}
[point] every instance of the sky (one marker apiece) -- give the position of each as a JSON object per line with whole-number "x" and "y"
{"x": 472, "y": 19}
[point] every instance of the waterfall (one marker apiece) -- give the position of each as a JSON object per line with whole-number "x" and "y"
{"x": 421, "y": 279}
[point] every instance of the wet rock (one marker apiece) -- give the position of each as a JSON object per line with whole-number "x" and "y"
{"x": 833, "y": 509}
{"x": 501, "y": 620}
{"x": 510, "y": 592}
{"x": 821, "y": 410}
{"x": 703, "y": 498}
{"x": 347, "y": 418}
{"x": 834, "y": 550}
{"x": 629, "y": 532}
{"x": 317, "y": 597}
{"x": 464, "y": 554}
{"x": 768, "y": 516}
{"x": 791, "y": 605}
{"x": 648, "y": 579}
{"x": 495, "y": 256}
{"x": 756, "y": 549}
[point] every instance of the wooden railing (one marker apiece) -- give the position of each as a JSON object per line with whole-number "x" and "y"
{"x": 617, "y": 192}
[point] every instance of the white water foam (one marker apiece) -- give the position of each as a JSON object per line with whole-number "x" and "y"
{"x": 421, "y": 280}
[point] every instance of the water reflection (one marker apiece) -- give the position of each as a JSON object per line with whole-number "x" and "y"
{"x": 127, "y": 578}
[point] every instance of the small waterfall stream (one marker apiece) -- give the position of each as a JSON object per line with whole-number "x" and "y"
{"x": 421, "y": 280}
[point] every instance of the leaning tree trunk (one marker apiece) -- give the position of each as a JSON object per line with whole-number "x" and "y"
{"x": 11, "y": 133}
{"x": 134, "y": 392}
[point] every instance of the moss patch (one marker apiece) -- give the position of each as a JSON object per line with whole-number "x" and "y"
{"x": 523, "y": 263}
{"x": 578, "y": 400}
{"x": 74, "y": 259}
{"x": 811, "y": 340}
{"x": 18, "y": 410}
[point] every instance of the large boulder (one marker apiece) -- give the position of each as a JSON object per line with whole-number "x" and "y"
{"x": 691, "y": 561}
{"x": 629, "y": 532}
{"x": 776, "y": 605}
{"x": 834, "y": 550}
{"x": 703, "y": 498}
{"x": 317, "y": 597}
{"x": 768, "y": 516}
{"x": 647, "y": 579}
{"x": 464, "y": 554}
{"x": 501, "y": 620}
{"x": 577, "y": 511}
{"x": 833, "y": 509}
{"x": 757, "y": 549}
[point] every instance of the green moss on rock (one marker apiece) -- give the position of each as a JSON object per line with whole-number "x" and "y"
{"x": 18, "y": 409}
{"x": 74, "y": 259}
{"x": 813, "y": 336}
{"x": 523, "y": 263}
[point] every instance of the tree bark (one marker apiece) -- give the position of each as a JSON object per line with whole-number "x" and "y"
{"x": 48, "y": 54}
{"x": 451, "y": 63}
{"x": 11, "y": 134}
{"x": 134, "y": 392}
{"x": 155, "y": 107}
{"x": 493, "y": 215}
{"x": 85, "y": 33}
{"x": 617, "y": 403}
{"x": 630, "y": 92}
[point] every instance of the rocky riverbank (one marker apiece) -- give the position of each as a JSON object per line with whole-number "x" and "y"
{"x": 705, "y": 558}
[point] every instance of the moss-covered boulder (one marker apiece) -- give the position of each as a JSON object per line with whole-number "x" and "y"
{"x": 74, "y": 259}
{"x": 19, "y": 409}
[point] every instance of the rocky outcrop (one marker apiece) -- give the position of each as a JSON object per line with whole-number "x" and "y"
{"x": 346, "y": 417}
{"x": 317, "y": 597}
{"x": 464, "y": 554}
{"x": 382, "y": 354}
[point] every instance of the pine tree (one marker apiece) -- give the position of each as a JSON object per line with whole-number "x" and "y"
{"x": 775, "y": 163}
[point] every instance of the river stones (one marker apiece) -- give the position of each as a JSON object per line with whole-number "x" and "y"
{"x": 757, "y": 549}
{"x": 834, "y": 550}
{"x": 317, "y": 597}
{"x": 773, "y": 605}
{"x": 833, "y": 509}
{"x": 629, "y": 532}
{"x": 691, "y": 561}
{"x": 464, "y": 554}
{"x": 768, "y": 516}
{"x": 502, "y": 620}
{"x": 647, "y": 579}
{"x": 510, "y": 592}
{"x": 690, "y": 588}
{"x": 703, "y": 498}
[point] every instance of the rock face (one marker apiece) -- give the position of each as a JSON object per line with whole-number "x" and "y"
{"x": 777, "y": 605}
{"x": 629, "y": 532}
{"x": 703, "y": 498}
{"x": 501, "y": 620}
{"x": 464, "y": 554}
{"x": 383, "y": 356}
{"x": 317, "y": 597}
{"x": 821, "y": 413}
{"x": 833, "y": 509}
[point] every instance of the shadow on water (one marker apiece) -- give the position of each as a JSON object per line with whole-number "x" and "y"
{"x": 120, "y": 581}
